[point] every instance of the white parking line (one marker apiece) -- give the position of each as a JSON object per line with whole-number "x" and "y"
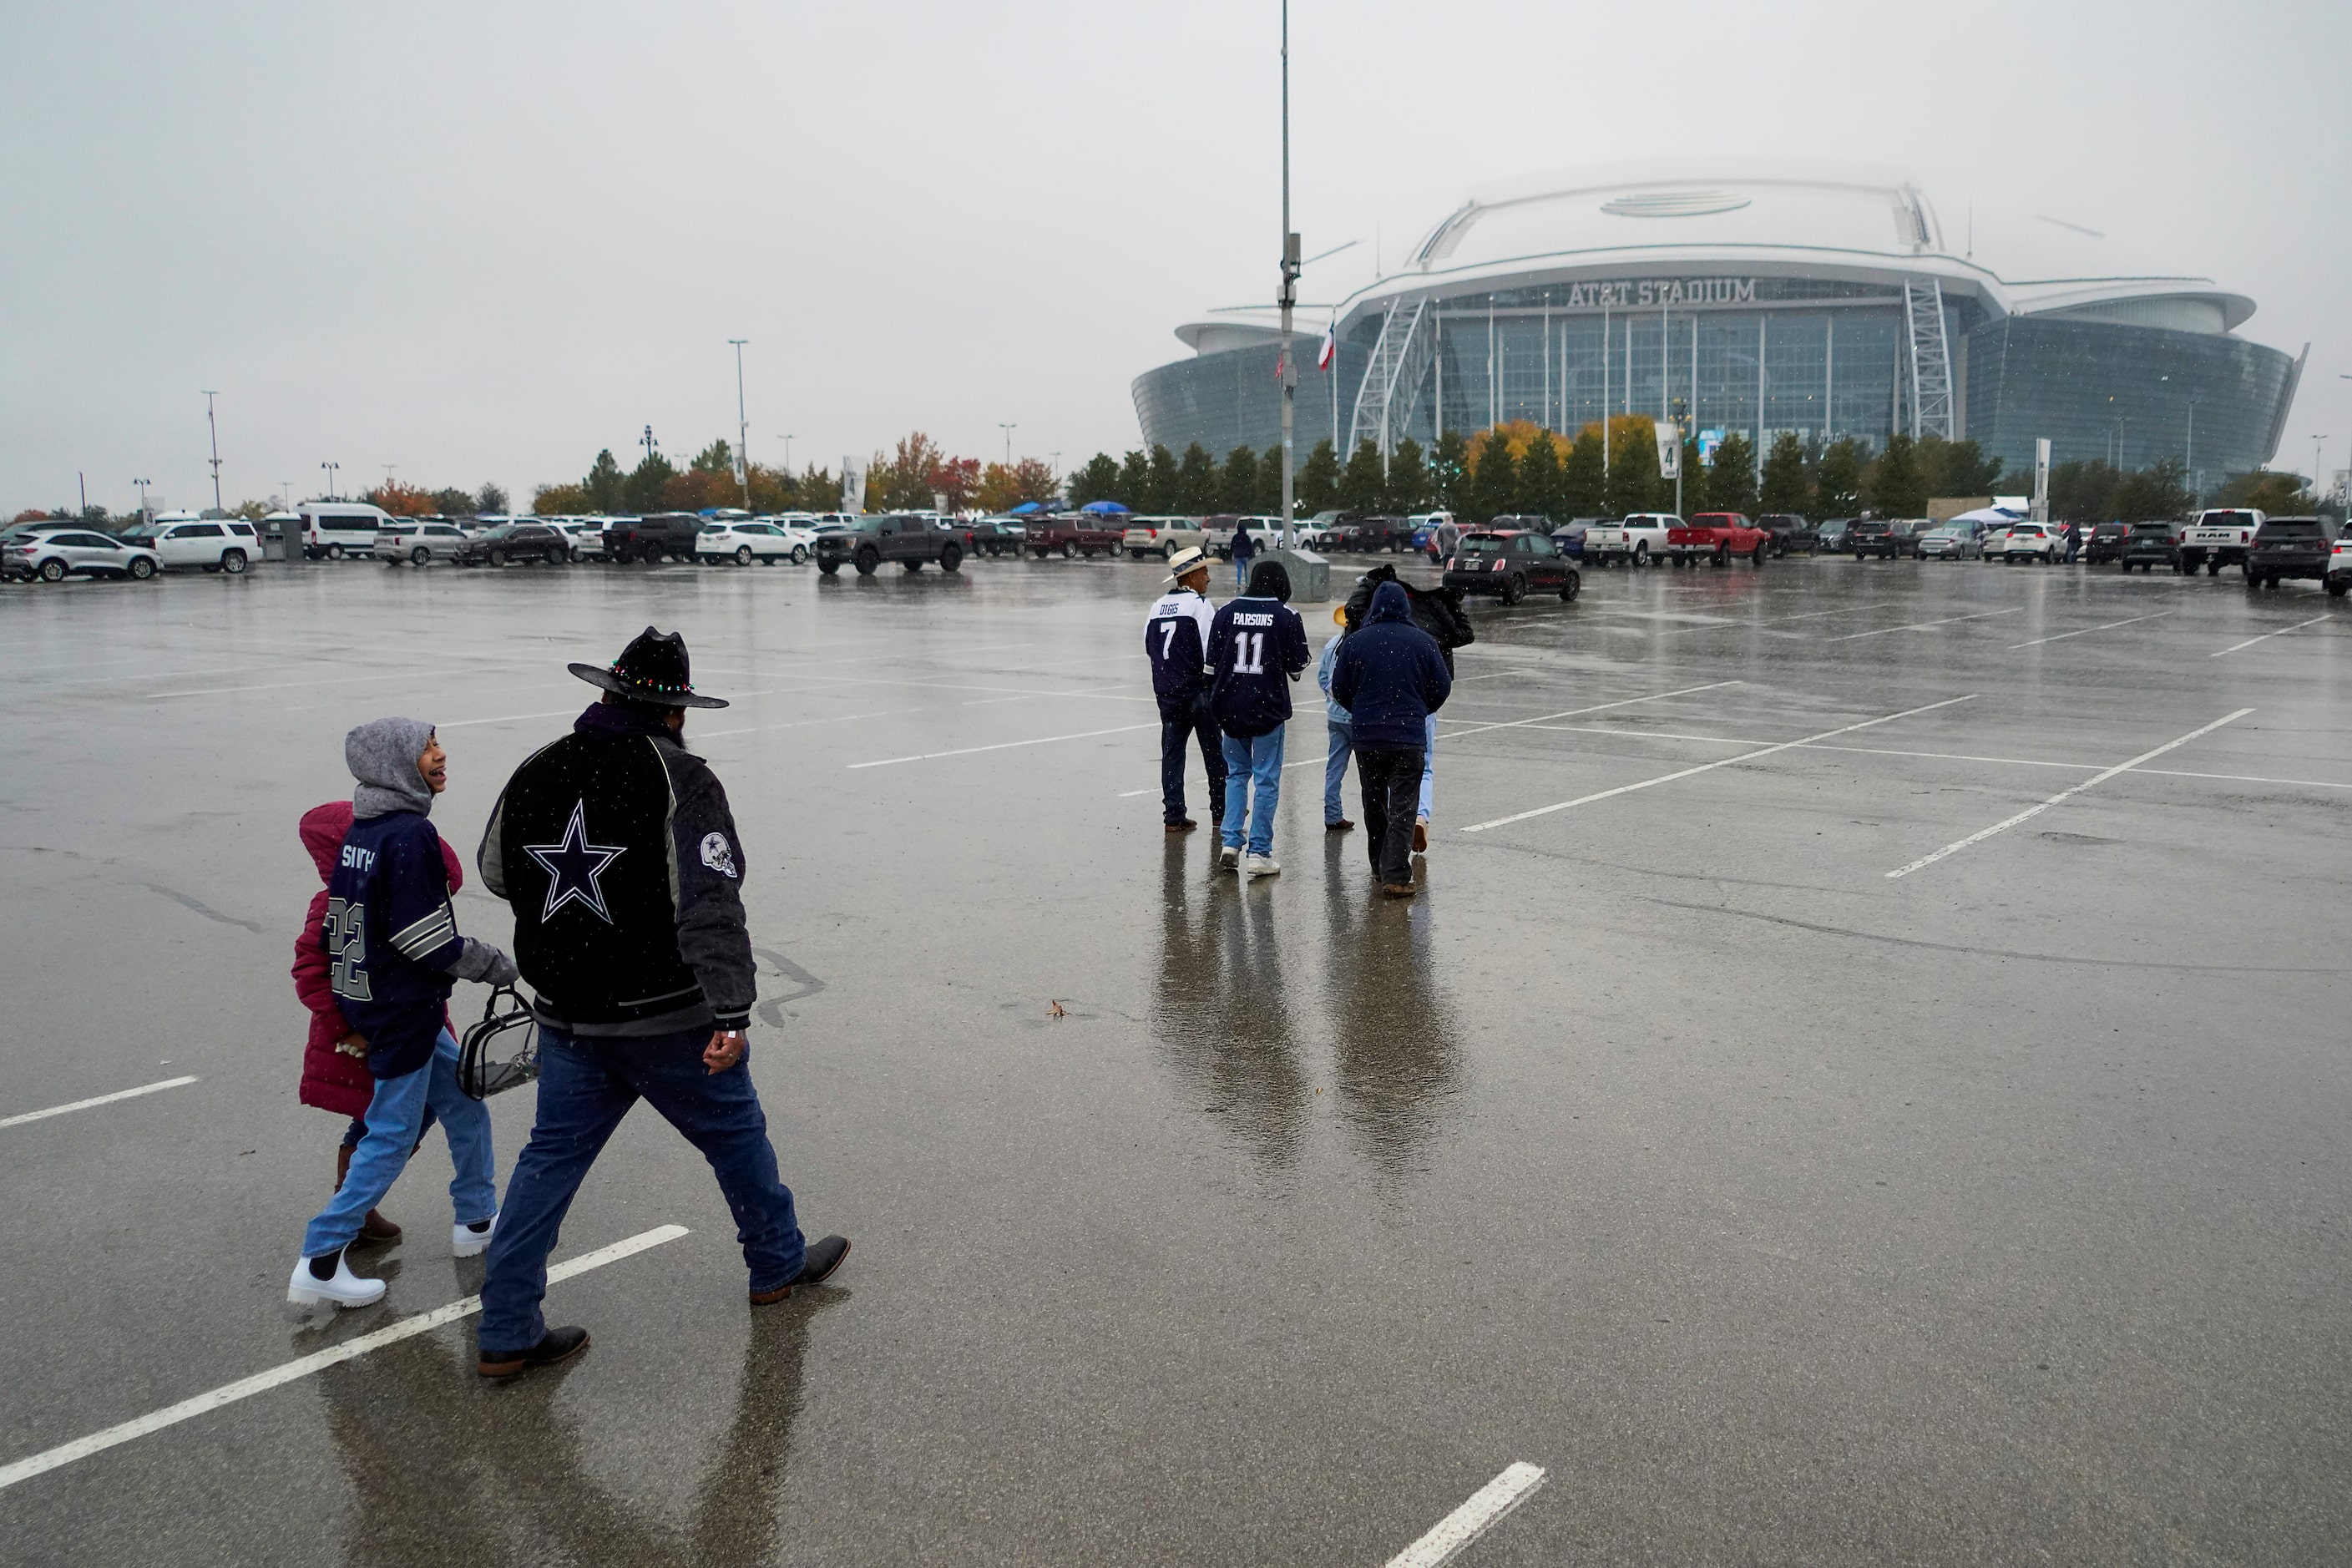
{"x": 1596, "y": 708}
{"x": 1709, "y": 767}
{"x": 96, "y": 1099}
{"x": 1003, "y": 745}
{"x": 1487, "y": 1507}
{"x": 1923, "y": 626}
{"x": 350, "y": 1350}
{"x": 2033, "y": 811}
{"x": 2086, "y": 631}
{"x": 2267, "y": 636}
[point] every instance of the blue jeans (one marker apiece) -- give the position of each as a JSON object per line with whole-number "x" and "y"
{"x": 585, "y": 1087}
{"x": 1429, "y": 768}
{"x": 1241, "y": 571}
{"x": 395, "y": 1121}
{"x": 1334, "y": 768}
{"x": 1195, "y": 720}
{"x": 1252, "y": 759}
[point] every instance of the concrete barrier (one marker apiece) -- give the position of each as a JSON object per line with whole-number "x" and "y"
{"x": 1310, "y": 575}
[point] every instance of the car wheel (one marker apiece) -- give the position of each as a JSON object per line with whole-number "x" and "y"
{"x": 498, "y": 557}
{"x": 952, "y": 558}
{"x": 573, "y": 555}
{"x": 2337, "y": 590}
{"x": 231, "y": 561}
{"x": 419, "y": 557}
{"x": 1168, "y": 552}
{"x": 1069, "y": 550}
{"x": 2213, "y": 567}
{"x": 141, "y": 568}
{"x": 1515, "y": 590}
{"x": 867, "y": 561}
{"x": 829, "y": 568}
{"x": 1722, "y": 554}
{"x": 800, "y": 555}
{"x": 1758, "y": 557}
{"x": 742, "y": 556}
{"x": 53, "y": 570}
{"x": 334, "y": 553}
{"x": 1571, "y": 588}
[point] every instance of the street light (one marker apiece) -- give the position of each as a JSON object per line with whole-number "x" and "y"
{"x": 1288, "y": 297}
{"x": 142, "y": 485}
{"x": 214, "y": 426}
{"x": 331, "y": 469}
{"x": 1008, "y": 430}
{"x": 742, "y": 428}
{"x": 788, "y": 451}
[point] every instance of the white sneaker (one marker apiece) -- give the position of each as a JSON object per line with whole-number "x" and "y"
{"x": 1261, "y": 866}
{"x": 1229, "y": 859}
{"x": 465, "y": 1241}
{"x": 344, "y": 1290}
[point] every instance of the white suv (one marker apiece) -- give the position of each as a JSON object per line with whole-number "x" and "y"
{"x": 53, "y": 554}
{"x": 215, "y": 545}
{"x": 415, "y": 542}
{"x": 744, "y": 542}
{"x": 2030, "y": 541}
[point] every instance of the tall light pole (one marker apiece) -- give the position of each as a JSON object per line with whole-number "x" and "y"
{"x": 788, "y": 451}
{"x": 285, "y": 495}
{"x": 1288, "y": 298}
{"x": 1008, "y": 430}
{"x": 742, "y": 428}
{"x": 331, "y": 469}
{"x": 142, "y": 485}
{"x": 214, "y": 426}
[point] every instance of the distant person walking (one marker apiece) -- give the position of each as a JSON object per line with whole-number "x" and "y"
{"x": 1390, "y": 676}
{"x": 391, "y": 942}
{"x": 1244, "y": 549}
{"x": 617, "y": 851}
{"x": 1257, "y": 647}
{"x": 334, "y": 1061}
{"x": 1339, "y": 739}
{"x": 1176, "y": 639}
{"x": 1438, "y": 612}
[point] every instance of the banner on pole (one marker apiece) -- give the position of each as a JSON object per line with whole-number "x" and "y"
{"x": 853, "y": 486}
{"x": 1670, "y": 448}
{"x": 2041, "y": 479}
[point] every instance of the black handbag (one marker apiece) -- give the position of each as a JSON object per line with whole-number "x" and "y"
{"x": 501, "y": 1052}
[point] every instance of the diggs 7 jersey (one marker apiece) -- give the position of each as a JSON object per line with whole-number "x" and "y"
{"x": 1177, "y": 639}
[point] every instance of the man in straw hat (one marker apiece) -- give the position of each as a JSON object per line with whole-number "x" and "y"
{"x": 1176, "y": 637}
{"x": 615, "y": 847}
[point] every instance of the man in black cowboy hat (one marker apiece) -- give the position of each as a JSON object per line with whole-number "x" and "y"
{"x": 617, "y": 851}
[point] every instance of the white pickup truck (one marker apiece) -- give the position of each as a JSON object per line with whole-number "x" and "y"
{"x": 1638, "y": 539}
{"x": 2219, "y": 539}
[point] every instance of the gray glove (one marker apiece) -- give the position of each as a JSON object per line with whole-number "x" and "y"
{"x": 480, "y": 961}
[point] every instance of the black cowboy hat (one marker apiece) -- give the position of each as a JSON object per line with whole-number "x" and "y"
{"x": 652, "y": 668}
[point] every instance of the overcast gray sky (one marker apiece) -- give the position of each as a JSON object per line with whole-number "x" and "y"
{"x": 481, "y": 241}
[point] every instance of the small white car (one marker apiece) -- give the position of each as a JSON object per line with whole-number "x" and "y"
{"x": 53, "y": 554}
{"x": 744, "y": 542}
{"x": 2030, "y": 542}
{"x": 587, "y": 534}
{"x": 212, "y": 544}
{"x": 417, "y": 541}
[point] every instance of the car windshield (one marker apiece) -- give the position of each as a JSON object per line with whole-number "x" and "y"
{"x": 500, "y": 531}
{"x": 1870, "y": 528}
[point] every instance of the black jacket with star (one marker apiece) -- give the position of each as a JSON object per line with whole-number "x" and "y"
{"x": 615, "y": 847}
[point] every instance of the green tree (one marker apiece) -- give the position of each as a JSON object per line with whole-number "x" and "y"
{"x": 1099, "y": 480}
{"x": 642, "y": 492}
{"x": 1362, "y": 483}
{"x": 1957, "y": 467}
{"x": 816, "y": 490}
{"x": 2082, "y": 490}
{"x": 1784, "y": 487}
{"x": 2284, "y": 494}
{"x": 2153, "y": 494}
{"x": 1634, "y": 480}
{"x": 1238, "y": 487}
{"x": 1160, "y": 484}
{"x": 1494, "y": 481}
{"x": 1892, "y": 484}
{"x": 1541, "y": 483}
{"x": 1582, "y": 492}
{"x": 1449, "y": 469}
{"x": 718, "y": 458}
{"x": 454, "y": 502}
{"x": 1408, "y": 489}
{"x": 492, "y": 500}
{"x": 1837, "y": 482}
{"x": 1196, "y": 482}
{"x": 1134, "y": 478}
{"x": 1269, "y": 482}
{"x": 603, "y": 484}
{"x": 1691, "y": 495}
{"x": 1316, "y": 483}
{"x": 1731, "y": 477}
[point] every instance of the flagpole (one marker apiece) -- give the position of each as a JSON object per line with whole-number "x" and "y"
{"x": 1289, "y": 295}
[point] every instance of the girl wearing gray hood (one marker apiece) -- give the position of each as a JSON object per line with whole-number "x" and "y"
{"x": 394, "y": 955}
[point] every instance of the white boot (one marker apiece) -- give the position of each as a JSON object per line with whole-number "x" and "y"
{"x": 465, "y": 1241}
{"x": 345, "y": 1288}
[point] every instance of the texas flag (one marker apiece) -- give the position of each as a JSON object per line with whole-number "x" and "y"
{"x": 1330, "y": 349}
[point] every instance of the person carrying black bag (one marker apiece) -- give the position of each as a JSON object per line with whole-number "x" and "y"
{"x": 617, "y": 851}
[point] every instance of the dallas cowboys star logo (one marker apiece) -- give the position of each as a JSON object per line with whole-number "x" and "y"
{"x": 573, "y": 866}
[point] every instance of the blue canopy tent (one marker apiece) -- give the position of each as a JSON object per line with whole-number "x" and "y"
{"x": 1023, "y": 510}
{"x": 1104, "y": 506}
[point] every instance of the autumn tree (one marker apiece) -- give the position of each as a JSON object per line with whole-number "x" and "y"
{"x": 1837, "y": 482}
{"x": 1784, "y": 489}
{"x": 1001, "y": 489}
{"x": 555, "y": 500}
{"x": 400, "y": 499}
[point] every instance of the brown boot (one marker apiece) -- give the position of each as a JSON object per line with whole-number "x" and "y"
{"x": 375, "y": 1227}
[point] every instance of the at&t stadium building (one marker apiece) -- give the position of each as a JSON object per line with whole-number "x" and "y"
{"x": 1828, "y": 302}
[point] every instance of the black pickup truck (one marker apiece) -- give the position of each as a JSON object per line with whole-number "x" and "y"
{"x": 914, "y": 543}
{"x": 2290, "y": 547}
{"x": 664, "y": 535}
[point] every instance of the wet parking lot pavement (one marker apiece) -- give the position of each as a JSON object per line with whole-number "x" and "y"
{"x": 1864, "y": 1082}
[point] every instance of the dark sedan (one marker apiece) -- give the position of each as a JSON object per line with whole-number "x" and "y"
{"x": 512, "y": 541}
{"x": 1511, "y": 564}
{"x": 2106, "y": 543}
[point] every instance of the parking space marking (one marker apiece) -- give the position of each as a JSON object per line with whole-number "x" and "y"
{"x": 1709, "y": 767}
{"x": 2034, "y": 811}
{"x": 2267, "y": 636}
{"x": 1596, "y": 708}
{"x": 2086, "y": 631}
{"x": 1923, "y": 626}
{"x": 1003, "y": 745}
{"x": 19, "y": 1121}
{"x": 1487, "y": 1507}
{"x": 351, "y": 1350}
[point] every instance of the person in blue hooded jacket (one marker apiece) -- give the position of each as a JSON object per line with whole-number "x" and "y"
{"x": 1257, "y": 647}
{"x": 1390, "y": 676}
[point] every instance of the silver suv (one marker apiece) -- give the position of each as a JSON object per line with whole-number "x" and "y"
{"x": 418, "y": 543}
{"x": 53, "y": 554}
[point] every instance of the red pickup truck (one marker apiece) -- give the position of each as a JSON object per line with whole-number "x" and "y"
{"x": 1717, "y": 536}
{"x": 1069, "y": 536}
